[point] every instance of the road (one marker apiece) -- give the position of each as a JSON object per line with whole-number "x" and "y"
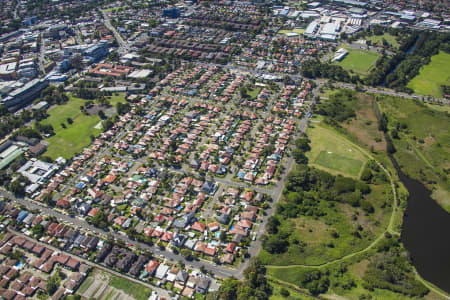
{"x": 123, "y": 46}
{"x": 298, "y": 78}
{"x": 161, "y": 292}
{"x": 220, "y": 271}
{"x": 86, "y": 227}
{"x": 42, "y": 54}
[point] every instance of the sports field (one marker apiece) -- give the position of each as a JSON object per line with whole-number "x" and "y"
{"x": 296, "y": 30}
{"x": 432, "y": 76}
{"x": 334, "y": 153}
{"x": 72, "y": 139}
{"x": 359, "y": 61}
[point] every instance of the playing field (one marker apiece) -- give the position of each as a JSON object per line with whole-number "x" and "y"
{"x": 339, "y": 163}
{"x": 296, "y": 30}
{"x": 334, "y": 153}
{"x": 359, "y": 61}
{"x": 72, "y": 139}
{"x": 432, "y": 76}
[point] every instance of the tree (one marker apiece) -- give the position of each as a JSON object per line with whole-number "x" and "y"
{"x": 52, "y": 285}
{"x": 272, "y": 225}
{"x": 303, "y": 144}
{"x": 38, "y": 230}
{"x": 76, "y": 61}
{"x": 101, "y": 114}
{"x": 69, "y": 121}
{"x": 223, "y": 236}
{"x": 17, "y": 187}
{"x": 243, "y": 92}
{"x": 284, "y": 292}
{"x": 186, "y": 253}
{"x": 107, "y": 124}
{"x": 100, "y": 220}
{"x": 299, "y": 156}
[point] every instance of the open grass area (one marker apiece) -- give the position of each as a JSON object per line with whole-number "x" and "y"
{"x": 296, "y": 30}
{"x": 432, "y": 76}
{"x": 137, "y": 291}
{"x": 253, "y": 93}
{"x": 113, "y": 100}
{"x": 439, "y": 107}
{"x": 293, "y": 294}
{"x": 378, "y": 39}
{"x": 423, "y": 146}
{"x": 316, "y": 244}
{"x": 364, "y": 128}
{"x": 339, "y": 162}
{"x": 72, "y": 139}
{"x": 359, "y": 61}
{"x": 333, "y": 153}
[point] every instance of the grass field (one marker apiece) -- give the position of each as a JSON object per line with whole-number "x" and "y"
{"x": 72, "y": 139}
{"x": 253, "y": 93}
{"x": 432, "y": 76}
{"x": 423, "y": 149}
{"x": 364, "y": 128}
{"x": 333, "y": 153}
{"x": 113, "y": 100}
{"x": 296, "y": 30}
{"x": 378, "y": 40}
{"x": 339, "y": 162}
{"x": 359, "y": 61}
{"x": 137, "y": 291}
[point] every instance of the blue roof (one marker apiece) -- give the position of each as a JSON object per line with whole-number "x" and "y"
{"x": 80, "y": 185}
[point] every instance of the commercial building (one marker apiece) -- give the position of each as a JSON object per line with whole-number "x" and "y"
{"x": 24, "y": 95}
{"x": 8, "y": 70}
{"x": 96, "y": 52}
{"x": 37, "y": 171}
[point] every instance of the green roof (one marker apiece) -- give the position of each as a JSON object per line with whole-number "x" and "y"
{"x": 8, "y": 159}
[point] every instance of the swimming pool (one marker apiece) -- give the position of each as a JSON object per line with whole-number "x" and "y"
{"x": 19, "y": 265}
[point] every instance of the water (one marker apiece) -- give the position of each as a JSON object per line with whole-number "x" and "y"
{"x": 425, "y": 230}
{"x": 425, "y": 233}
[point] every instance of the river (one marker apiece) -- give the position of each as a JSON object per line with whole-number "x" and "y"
{"x": 408, "y": 52}
{"x": 425, "y": 232}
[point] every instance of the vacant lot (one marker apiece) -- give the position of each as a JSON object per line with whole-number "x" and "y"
{"x": 433, "y": 76}
{"x": 359, "y": 61}
{"x": 334, "y": 153}
{"x": 104, "y": 286}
